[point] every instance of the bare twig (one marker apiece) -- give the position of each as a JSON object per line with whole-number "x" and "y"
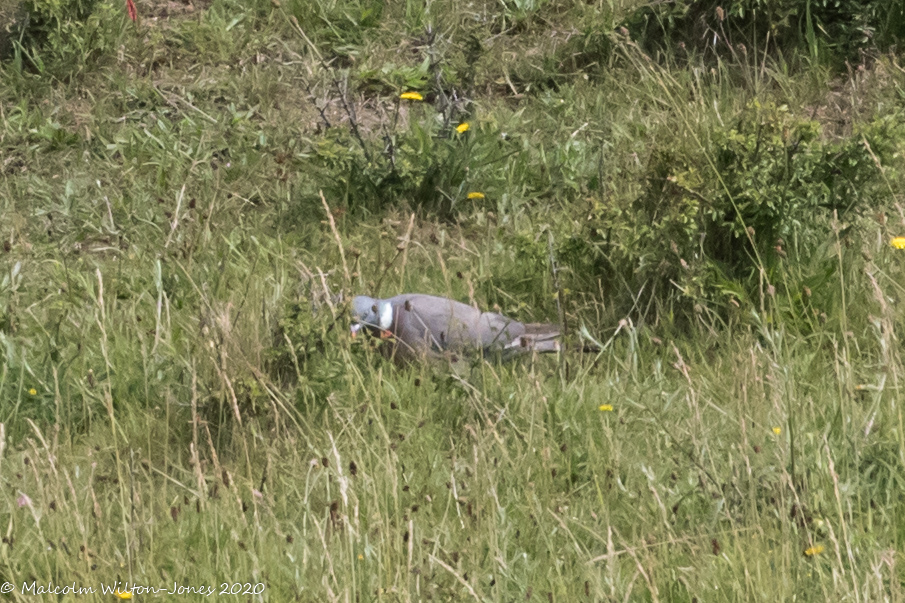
{"x": 457, "y": 577}
{"x": 166, "y": 96}
{"x": 405, "y": 248}
{"x": 175, "y": 217}
{"x": 339, "y": 243}
{"x": 350, "y": 111}
{"x": 400, "y": 249}
{"x": 554, "y": 269}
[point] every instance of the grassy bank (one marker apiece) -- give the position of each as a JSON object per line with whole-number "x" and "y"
{"x": 189, "y": 202}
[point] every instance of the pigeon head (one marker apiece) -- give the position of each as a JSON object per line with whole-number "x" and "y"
{"x": 370, "y": 312}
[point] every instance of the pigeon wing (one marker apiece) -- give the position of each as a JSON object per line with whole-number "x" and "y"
{"x": 426, "y": 322}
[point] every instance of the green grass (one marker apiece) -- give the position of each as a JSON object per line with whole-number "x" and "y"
{"x": 179, "y": 399}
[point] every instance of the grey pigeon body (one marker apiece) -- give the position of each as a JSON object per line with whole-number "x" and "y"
{"x": 422, "y": 326}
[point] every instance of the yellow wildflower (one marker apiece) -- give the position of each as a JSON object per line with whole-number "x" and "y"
{"x": 777, "y": 430}
{"x": 475, "y": 195}
{"x": 814, "y": 550}
{"x": 605, "y": 408}
{"x": 898, "y": 242}
{"x": 415, "y": 96}
{"x": 33, "y": 392}
{"x": 463, "y": 127}
{"x": 361, "y": 557}
{"x": 124, "y": 594}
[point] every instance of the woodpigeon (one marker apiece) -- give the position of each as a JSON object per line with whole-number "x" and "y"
{"x": 422, "y": 326}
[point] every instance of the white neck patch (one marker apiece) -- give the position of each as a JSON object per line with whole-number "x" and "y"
{"x": 385, "y": 316}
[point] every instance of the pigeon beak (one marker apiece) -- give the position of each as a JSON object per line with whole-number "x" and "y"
{"x": 355, "y": 328}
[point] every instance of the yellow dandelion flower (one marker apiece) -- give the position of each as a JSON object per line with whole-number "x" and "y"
{"x": 463, "y": 127}
{"x": 777, "y": 430}
{"x": 605, "y": 408}
{"x": 415, "y": 96}
{"x": 361, "y": 557}
{"x": 33, "y": 392}
{"x": 475, "y": 195}
{"x": 898, "y": 242}
{"x": 814, "y": 550}
{"x": 123, "y": 594}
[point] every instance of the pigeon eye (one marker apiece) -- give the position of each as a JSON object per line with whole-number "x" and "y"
{"x": 374, "y": 308}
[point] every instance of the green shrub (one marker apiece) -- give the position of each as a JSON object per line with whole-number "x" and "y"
{"x": 429, "y": 166}
{"x": 714, "y": 226}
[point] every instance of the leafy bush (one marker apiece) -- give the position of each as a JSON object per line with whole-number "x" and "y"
{"x": 712, "y": 225}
